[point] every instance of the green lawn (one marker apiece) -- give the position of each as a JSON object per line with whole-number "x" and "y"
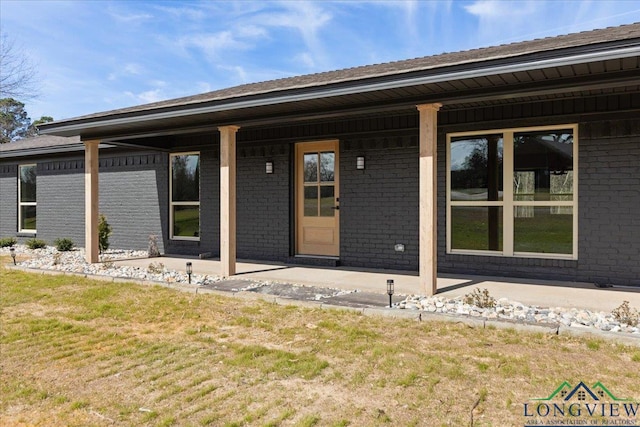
{"x": 77, "y": 352}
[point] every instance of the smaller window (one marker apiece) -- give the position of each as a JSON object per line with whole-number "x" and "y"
{"x": 27, "y": 198}
{"x": 184, "y": 195}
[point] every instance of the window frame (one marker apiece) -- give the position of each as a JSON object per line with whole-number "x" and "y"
{"x": 21, "y": 203}
{"x": 172, "y": 204}
{"x": 508, "y": 203}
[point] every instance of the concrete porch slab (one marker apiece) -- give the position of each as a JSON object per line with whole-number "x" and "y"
{"x": 531, "y": 292}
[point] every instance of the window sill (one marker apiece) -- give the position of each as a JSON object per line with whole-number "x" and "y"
{"x": 26, "y": 233}
{"x": 563, "y": 257}
{"x": 185, "y": 239}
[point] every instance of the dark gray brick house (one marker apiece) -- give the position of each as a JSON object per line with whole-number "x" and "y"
{"x": 519, "y": 160}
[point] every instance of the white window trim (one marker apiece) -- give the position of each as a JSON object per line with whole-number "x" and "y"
{"x": 508, "y": 203}
{"x": 21, "y": 203}
{"x": 172, "y": 203}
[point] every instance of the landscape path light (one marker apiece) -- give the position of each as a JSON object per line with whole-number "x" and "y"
{"x": 189, "y": 270}
{"x": 390, "y": 291}
{"x": 12, "y": 251}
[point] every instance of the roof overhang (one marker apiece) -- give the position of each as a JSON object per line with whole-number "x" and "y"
{"x": 46, "y": 151}
{"x": 484, "y": 81}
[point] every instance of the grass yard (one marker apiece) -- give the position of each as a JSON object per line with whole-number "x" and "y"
{"x": 76, "y": 352}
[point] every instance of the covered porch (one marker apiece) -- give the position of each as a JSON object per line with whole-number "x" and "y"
{"x": 587, "y": 83}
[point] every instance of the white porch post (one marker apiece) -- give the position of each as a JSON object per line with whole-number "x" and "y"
{"x": 228, "y": 200}
{"x": 91, "y": 201}
{"x": 428, "y": 197}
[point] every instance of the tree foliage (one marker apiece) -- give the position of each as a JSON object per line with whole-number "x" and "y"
{"x": 18, "y": 76}
{"x": 14, "y": 121}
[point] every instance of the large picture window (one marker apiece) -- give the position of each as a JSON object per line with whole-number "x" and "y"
{"x": 185, "y": 196}
{"x": 27, "y": 198}
{"x": 513, "y": 192}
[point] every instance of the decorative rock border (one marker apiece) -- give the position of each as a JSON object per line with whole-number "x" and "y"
{"x": 505, "y": 313}
{"x": 516, "y": 311}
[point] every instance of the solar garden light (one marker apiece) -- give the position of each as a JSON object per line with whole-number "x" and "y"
{"x": 390, "y": 291}
{"x": 12, "y": 251}
{"x": 189, "y": 270}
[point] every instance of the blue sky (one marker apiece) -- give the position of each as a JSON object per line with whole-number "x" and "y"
{"x": 101, "y": 55}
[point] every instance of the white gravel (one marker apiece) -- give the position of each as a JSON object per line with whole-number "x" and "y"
{"x": 74, "y": 262}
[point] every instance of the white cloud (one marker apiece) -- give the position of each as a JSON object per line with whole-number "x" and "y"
{"x": 305, "y": 59}
{"x": 189, "y": 13}
{"x": 128, "y": 17}
{"x": 251, "y": 31}
{"x": 504, "y": 22}
{"x": 237, "y": 74}
{"x": 307, "y": 19}
{"x": 146, "y": 97}
{"x": 158, "y": 83}
{"x": 212, "y": 44}
{"x": 132, "y": 68}
{"x": 129, "y": 69}
{"x": 203, "y": 87}
{"x": 490, "y": 9}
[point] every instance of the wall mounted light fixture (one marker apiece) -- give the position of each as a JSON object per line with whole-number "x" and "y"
{"x": 269, "y": 167}
{"x": 360, "y": 162}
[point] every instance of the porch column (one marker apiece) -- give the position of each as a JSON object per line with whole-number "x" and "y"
{"x": 91, "y": 201}
{"x": 428, "y": 197}
{"x": 228, "y": 200}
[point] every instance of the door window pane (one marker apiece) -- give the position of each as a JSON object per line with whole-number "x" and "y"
{"x": 311, "y": 201}
{"x": 544, "y": 229}
{"x": 476, "y": 228}
{"x": 476, "y": 168}
{"x": 543, "y": 165}
{"x": 186, "y": 221}
{"x": 311, "y": 167}
{"x": 28, "y": 217}
{"x": 327, "y": 166}
{"x": 327, "y": 200}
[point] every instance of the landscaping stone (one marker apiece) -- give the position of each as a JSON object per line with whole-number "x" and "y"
{"x": 50, "y": 259}
{"x": 506, "y": 310}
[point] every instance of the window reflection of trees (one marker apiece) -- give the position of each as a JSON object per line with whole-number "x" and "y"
{"x": 186, "y": 178}
{"x": 479, "y": 176}
{"x": 28, "y": 184}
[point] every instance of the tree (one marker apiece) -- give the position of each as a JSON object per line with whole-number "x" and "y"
{"x": 14, "y": 121}
{"x": 33, "y": 129}
{"x": 18, "y": 77}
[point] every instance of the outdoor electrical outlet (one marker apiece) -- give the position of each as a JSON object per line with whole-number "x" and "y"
{"x": 399, "y": 247}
